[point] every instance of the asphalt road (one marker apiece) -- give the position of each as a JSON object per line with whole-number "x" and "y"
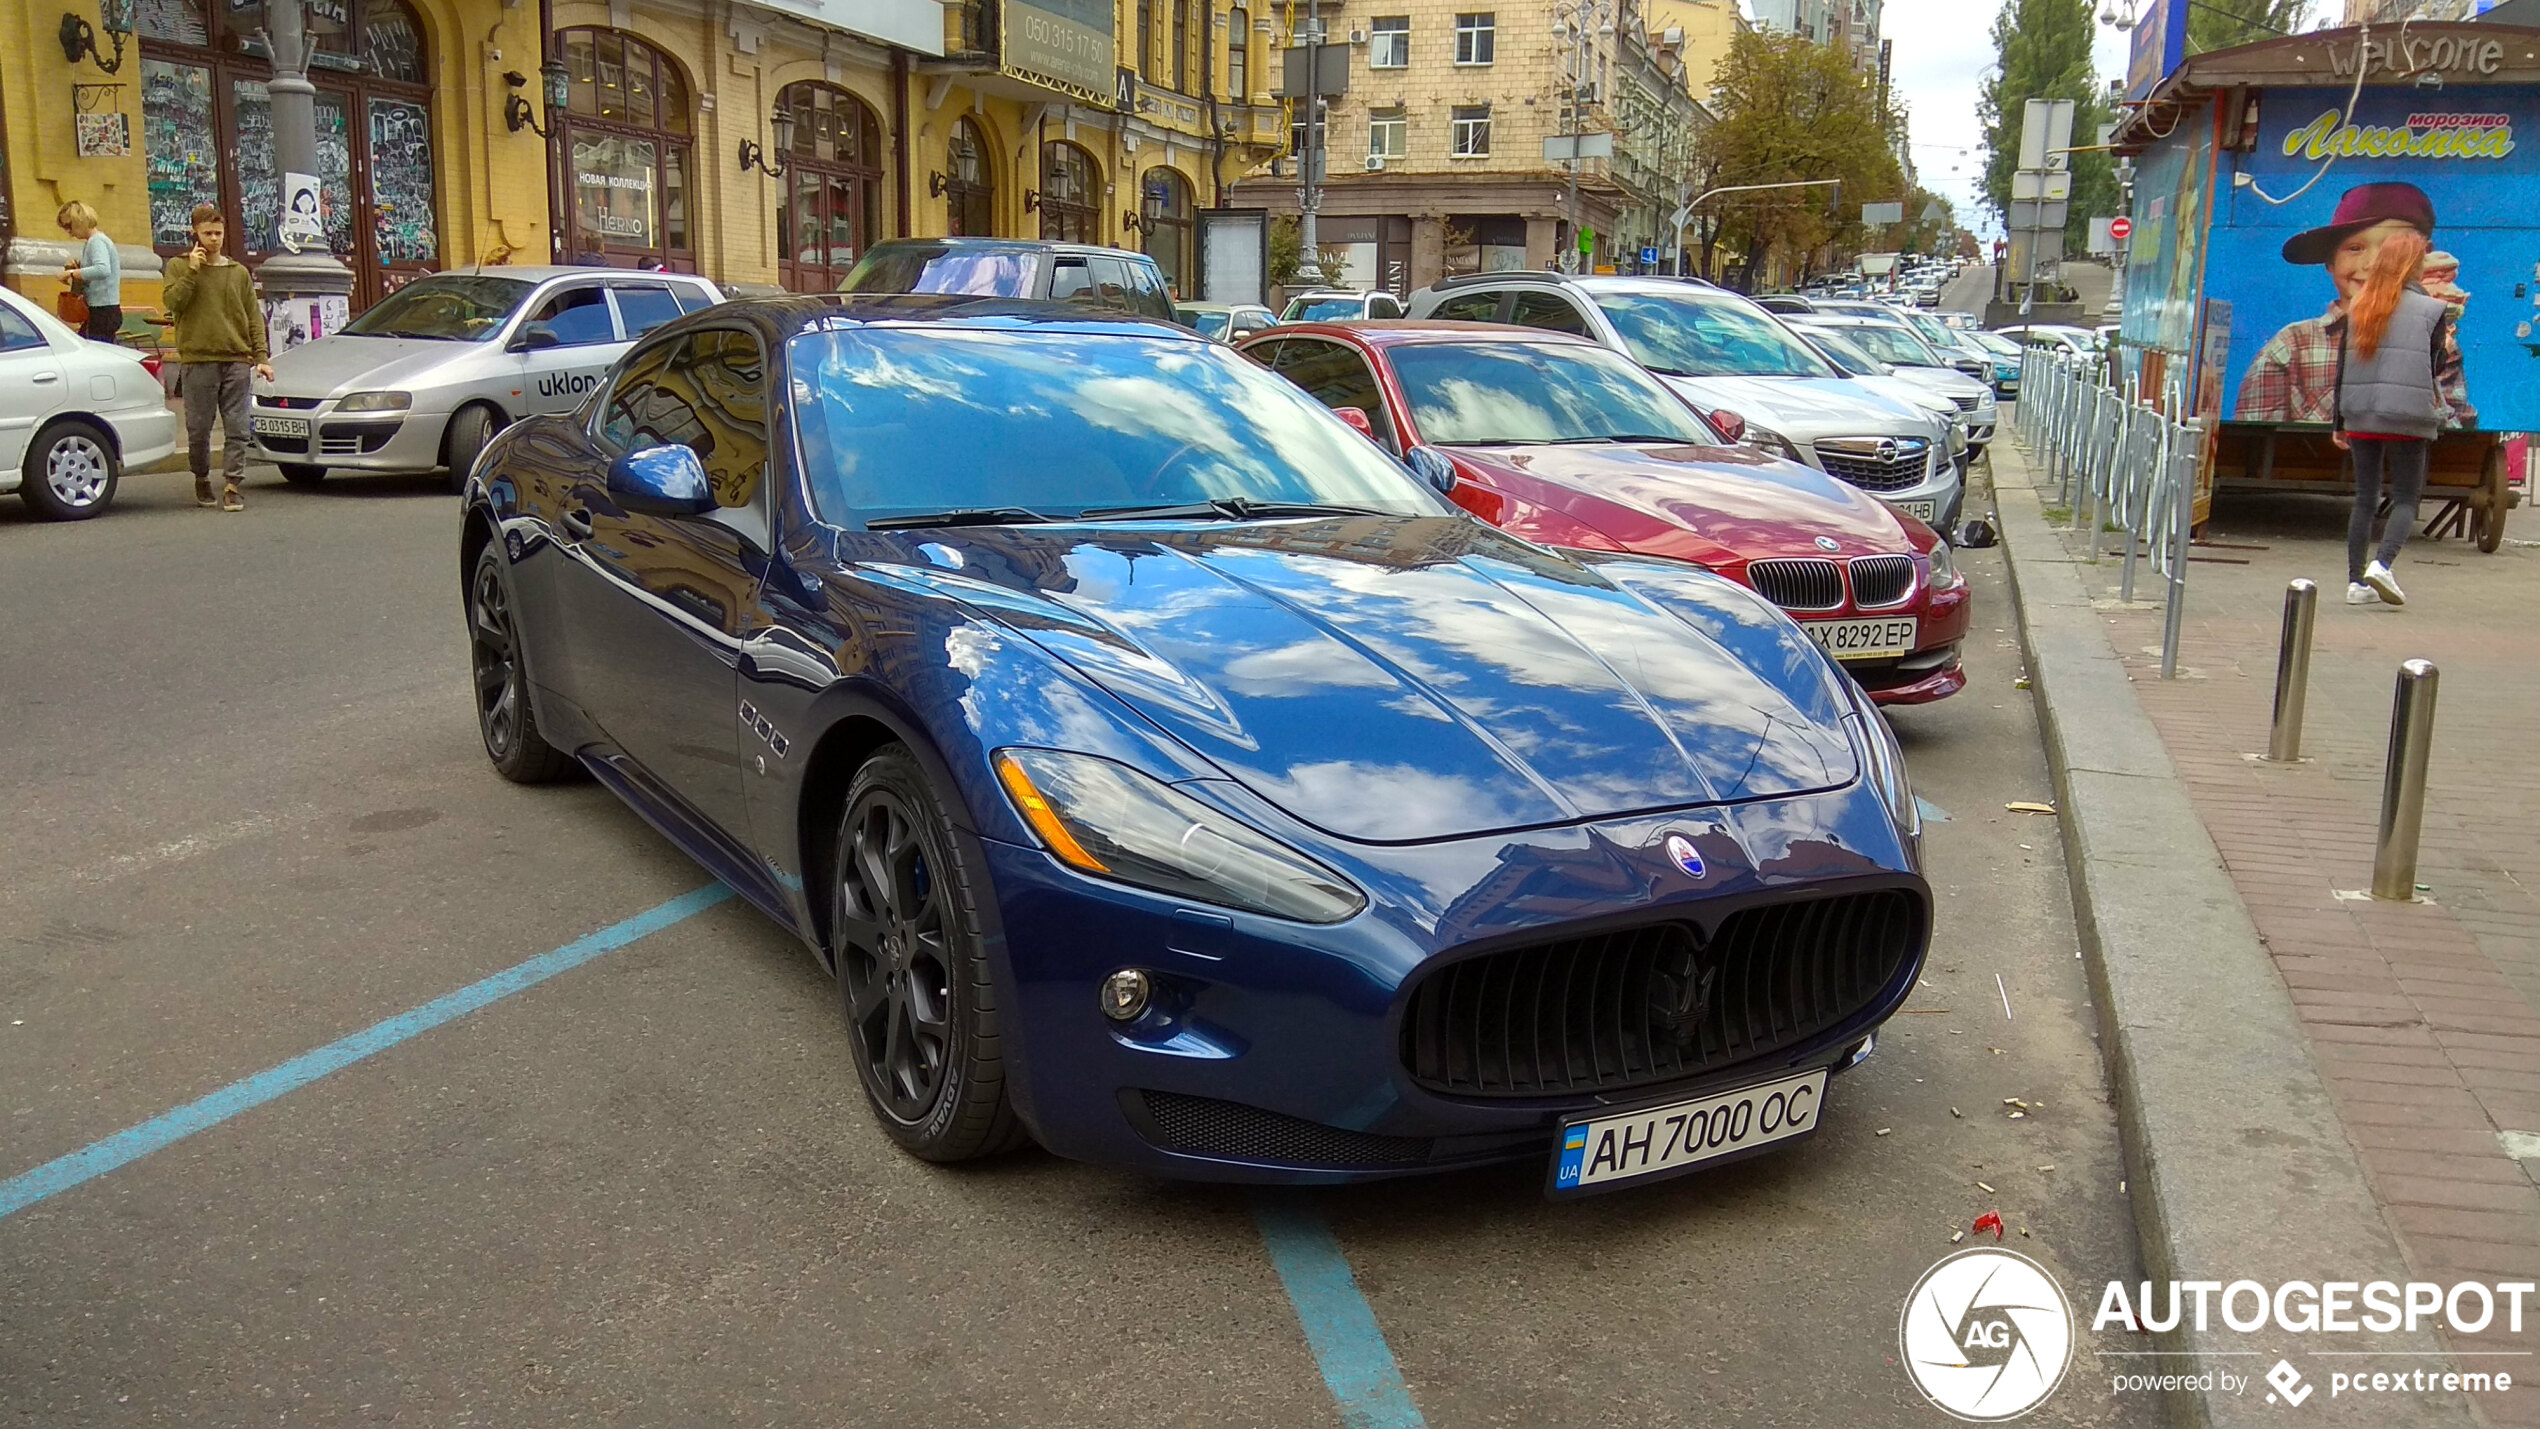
{"x": 246, "y": 815}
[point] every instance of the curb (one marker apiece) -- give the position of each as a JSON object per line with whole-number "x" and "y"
{"x": 2237, "y": 1163}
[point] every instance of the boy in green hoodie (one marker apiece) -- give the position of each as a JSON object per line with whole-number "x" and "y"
{"x": 220, "y": 339}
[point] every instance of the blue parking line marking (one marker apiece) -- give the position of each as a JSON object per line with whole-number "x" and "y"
{"x": 131, "y": 1144}
{"x": 1340, "y": 1329}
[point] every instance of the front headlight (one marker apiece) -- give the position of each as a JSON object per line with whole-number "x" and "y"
{"x": 1774, "y": 442}
{"x": 1957, "y": 436}
{"x": 1113, "y": 822}
{"x": 376, "y": 402}
{"x": 1885, "y": 763}
{"x": 1944, "y": 568}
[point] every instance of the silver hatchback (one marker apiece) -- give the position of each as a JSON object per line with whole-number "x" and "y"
{"x": 421, "y": 381}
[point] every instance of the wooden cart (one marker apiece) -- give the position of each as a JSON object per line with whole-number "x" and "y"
{"x": 2468, "y": 476}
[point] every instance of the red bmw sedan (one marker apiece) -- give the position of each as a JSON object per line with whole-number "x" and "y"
{"x": 1559, "y": 441}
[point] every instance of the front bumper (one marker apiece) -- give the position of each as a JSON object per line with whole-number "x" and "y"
{"x": 1933, "y": 671}
{"x": 381, "y": 442}
{"x": 1276, "y": 1052}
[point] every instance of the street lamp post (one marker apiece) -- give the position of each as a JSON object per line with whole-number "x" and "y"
{"x": 303, "y": 276}
{"x": 1580, "y": 23}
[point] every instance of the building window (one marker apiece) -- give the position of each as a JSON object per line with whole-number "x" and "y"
{"x": 1476, "y": 37}
{"x": 832, "y": 205}
{"x": 1168, "y": 232}
{"x": 1389, "y": 42}
{"x": 1181, "y": 46}
{"x": 1146, "y": 39}
{"x": 1472, "y": 131}
{"x": 1239, "y": 54}
{"x": 207, "y": 134}
{"x": 1296, "y": 135}
{"x": 970, "y": 197}
{"x": 1387, "y": 134}
{"x": 1071, "y": 188}
{"x": 627, "y": 130}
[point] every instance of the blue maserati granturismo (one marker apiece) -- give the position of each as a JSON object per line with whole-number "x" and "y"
{"x": 1171, "y": 776}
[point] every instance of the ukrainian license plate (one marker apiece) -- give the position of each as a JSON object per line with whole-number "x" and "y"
{"x": 1597, "y": 1153}
{"x": 1865, "y": 639}
{"x": 1919, "y": 510}
{"x": 279, "y": 426}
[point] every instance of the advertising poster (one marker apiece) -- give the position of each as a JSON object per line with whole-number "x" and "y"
{"x": 2159, "y": 46}
{"x": 2454, "y": 164}
{"x": 1064, "y": 41}
{"x": 2170, "y": 190}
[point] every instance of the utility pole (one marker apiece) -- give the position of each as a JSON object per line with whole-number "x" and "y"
{"x": 303, "y": 277}
{"x": 1581, "y": 23}
{"x": 1312, "y": 199}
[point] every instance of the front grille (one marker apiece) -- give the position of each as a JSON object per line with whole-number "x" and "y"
{"x": 1875, "y": 464}
{"x": 348, "y": 439}
{"x": 1204, "y": 1126}
{"x": 295, "y": 446}
{"x": 1969, "y": 404}
{"x": 1620, "y": 1010}
{"x": 1798, "y": 585}
{"x": 294, "y": 404}
{"x": 1882, "y": 580}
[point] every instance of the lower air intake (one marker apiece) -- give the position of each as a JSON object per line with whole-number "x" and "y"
{"x": 1204, "y": 1126}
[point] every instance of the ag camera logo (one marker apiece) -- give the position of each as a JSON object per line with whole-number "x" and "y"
{"x": 1986, "y": 1335}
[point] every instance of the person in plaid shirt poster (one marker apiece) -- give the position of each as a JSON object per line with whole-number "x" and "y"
{"x": 2294, "y": 378}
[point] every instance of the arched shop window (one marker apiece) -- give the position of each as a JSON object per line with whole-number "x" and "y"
{"x": 207, "y": 132}
{"x": 1165, "y": 206}
{"x": 1071, "y": 194}
{"x": 970, "y": 193}
{"x": 833, "y": 185}
{"x": 627, "y": 151}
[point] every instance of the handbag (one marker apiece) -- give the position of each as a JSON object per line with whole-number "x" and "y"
{"x": 72, "y": 307}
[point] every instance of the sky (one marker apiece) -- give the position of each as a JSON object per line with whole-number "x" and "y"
{"x": 1943, "y": 48}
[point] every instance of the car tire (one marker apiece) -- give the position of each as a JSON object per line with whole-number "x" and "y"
{"x": 907, "y": 938}
{"x": 71, "y": 471}
{"x": 470, "y": 429}
{"x": 300, "y": 473}
{"x": 506, "y": 720}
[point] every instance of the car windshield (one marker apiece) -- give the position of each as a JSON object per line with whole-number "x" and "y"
{"x": 1895, "y": 345}
{"x": 1690, "y": 336}
{"x": 942, "y": 268}
{"x": 1323, "y": 310}
{"x": 446, "y": 307}
{"x": 1995, "y": 343}
{"x": 1207, "y": 324}
{"x": 1520, "y": 394}
{"x": 906, "y": 421}
{"x": 1840, "y": 351}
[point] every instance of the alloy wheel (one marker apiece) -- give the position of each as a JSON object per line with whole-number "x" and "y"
{"x": 894, "y": 958}
{"x": 492, "y": 651}
{"x": 77, "y": 469}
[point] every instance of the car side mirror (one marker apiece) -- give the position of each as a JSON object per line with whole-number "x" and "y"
{"x": 533, "y": 338}
{"x": 1976, "y": 534}
{"x": 1356, "y": 420}
{"x": 1732, "y": 426}
{"x": 661, "y": 481}
{"x": 1432, "y": 466}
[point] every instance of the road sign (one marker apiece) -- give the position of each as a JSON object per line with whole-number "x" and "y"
{"x": 1681, "y": 217}
{"x": 1649, "y": 257}
{"x": 1879, "y": 215}
{"x": 2121, "y": 228}
{"x": 1557, "y": 147}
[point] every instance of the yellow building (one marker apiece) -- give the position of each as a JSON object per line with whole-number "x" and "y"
{"x": 1704, "y": 30}
{"x": 1111, "y": 121}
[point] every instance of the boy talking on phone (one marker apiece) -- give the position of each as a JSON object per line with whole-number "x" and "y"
{"x": 220, "y": 340}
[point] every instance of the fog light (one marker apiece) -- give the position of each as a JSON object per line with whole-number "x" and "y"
{"x": 1125, "y": 994}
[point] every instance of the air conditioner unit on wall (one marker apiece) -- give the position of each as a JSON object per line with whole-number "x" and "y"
{"x": 1358, "y": 37}
{"x": 1375, "y": 163}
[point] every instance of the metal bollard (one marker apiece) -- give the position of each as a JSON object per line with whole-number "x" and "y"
{"x": 2292, "y": 672}
{"x": 2394, "y": 856}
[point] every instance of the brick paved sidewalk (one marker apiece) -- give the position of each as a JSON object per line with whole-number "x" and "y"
{"x": 2421, "y": 1016}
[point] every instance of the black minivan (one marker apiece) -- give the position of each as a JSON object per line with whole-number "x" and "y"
{"x": 1111, "y": 279}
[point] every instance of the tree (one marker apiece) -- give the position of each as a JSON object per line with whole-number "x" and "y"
{"x": 1790, "y": 110}
{"x": 2042, "y": 51}
{"x": 2221, "y": 24}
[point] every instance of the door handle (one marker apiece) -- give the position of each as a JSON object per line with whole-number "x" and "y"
{"x": 42, "y": 378}
{"x": 576, "y": 521}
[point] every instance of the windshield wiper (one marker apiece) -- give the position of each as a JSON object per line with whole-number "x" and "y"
{"x": 966, "y": 516}
{"x": 1227, "y": 508}
{"x": 1618, "y": 437}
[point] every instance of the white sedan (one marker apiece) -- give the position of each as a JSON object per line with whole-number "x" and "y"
{"x": 73, "y": 413}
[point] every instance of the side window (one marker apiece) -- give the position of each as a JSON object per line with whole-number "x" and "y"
{"x": 1266, "y": 353}
{"x": 16, "y": 332}
{"x": 1146, "y": 292}
{"x": 1246, "y": 324}
{"x": 1112, "y": 285}
{"x": 711, "y": 397}
{"x": 577, "y": 317}
{"x": 1469, "y": 308}
{"x": 1337, "y": 377}
{"x": 1547, "y": 310}
{"x": 622, "y": 416}
{"x": 640, "y": 310}
{"x": 1071, "y": 281}
{"x": 1382, "y": 305}
{"x": 692, "y": 299}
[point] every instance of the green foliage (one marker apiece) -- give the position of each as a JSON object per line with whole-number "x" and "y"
{"x": 1791, "y": 109}
{"x": 2042, "y": 51}
{"x": 1287, "y": 249}
{"x": 2221, "y": 24}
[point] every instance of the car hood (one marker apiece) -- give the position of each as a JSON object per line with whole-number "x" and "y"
{"x": 348, "y": 362}
{"x": 1400, "y": 680}
{"x": 1743, "y": 504}
{"x": 1945, "y": 379}
{"x": 1805, "y": 408}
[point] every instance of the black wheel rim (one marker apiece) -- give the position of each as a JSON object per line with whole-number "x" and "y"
{"x": 894, "y": 957}
{"x": 492, "y": 649}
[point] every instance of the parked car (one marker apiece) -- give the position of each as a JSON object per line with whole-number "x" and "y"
{"x": 1167, "y": 775}
{"x": 2078, "y": 342}
{"x": 1106, "y": 279}
{"x": 2006, "y": 360}
{"x": 73, "y": 413}
{"x": 1904, "y": 354}
{"x": 422, "y": 380}
{"x": 1856, "y": 362}
{"x": 1226, "y": 322}
{"x": 1568, "y": 445}
{"x": 1786, "y": 303}
{"x": 1332, "y": 305}
{"x": 1741, "y": 368}
{"x": 1947, "y": 341}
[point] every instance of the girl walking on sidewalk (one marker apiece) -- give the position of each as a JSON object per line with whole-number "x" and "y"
{"x": 2388, "y": 408}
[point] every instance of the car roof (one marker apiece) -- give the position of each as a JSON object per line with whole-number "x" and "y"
{"x": 1010, "y": 245}
{"x": 541, "y": 272}
{"x": 784, "y": 317}
{"x": 1412, "y": 332}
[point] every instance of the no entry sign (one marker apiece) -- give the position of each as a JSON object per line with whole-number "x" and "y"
{"x": 2121, "y": 228}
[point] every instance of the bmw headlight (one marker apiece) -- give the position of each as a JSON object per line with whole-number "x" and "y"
{"x": 376, "y": 402}
{"x": 1113, "y": 822}
{"x": 1774, "y": 442}
{"x": 1944, "y": 568}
